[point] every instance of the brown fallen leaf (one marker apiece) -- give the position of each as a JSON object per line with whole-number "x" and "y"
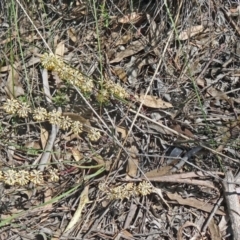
{"x": 130, "y": 18}
{"x": 123, "y": 131}
{"x": 13, "y": 86}
{"x": 124, "y": 234}
{"x": 153, "y": 102}
{"x": 32, "y": 145}
{"x": 77, "y": 117}
{"x": 44, "y": 137}
{"x": 60, "y": 49}
{"x": 120, "y": 72}
{"x": 165, "y": 170}
{"x": 132, "y": 165}
{"x": 133, "y": 48}
{"x": 72, "y": 34}
{"x": 192, "y": 202}
{"x": 190, "y": 32}
{"x": 77, "y": 155}
{"x": 84, "y": 200}
{"x": 183, "y": 131}
{"x": 155, "y": 30}
{"x": 214, "y": 230}
{"x": 124, "y": 39}
{"x": 201, "y": 82}
{"x": 5, "y": 68}
{"x": 218, "y": 94}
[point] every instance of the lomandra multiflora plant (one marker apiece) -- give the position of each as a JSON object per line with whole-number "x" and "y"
{"x": 24, "y": 177}
{"x": 126, "y": 190}
{"x": 53, "y": 63}
{"x": 23, "y": 110}
{"x": 106, "y": 90}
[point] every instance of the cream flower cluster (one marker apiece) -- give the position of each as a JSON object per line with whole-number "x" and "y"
{"x": 23, "y": 177}
{"x": 13, "y": 106}
{"x": 116, "y": 89}
{"x": 126, "y": 190}
{"x": 53, "y": 63}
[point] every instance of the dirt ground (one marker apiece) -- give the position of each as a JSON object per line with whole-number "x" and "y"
{"x": 119, "y": 119}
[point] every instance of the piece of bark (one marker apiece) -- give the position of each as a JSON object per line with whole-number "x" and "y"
{"x": 232, "y": 202}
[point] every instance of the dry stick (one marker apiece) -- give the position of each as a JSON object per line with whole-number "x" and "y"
{"x": 49, "y": 146}
{"x": 210, "y": 217}
{"x": 233, "y": 206}
{"x": 175, "y": 179}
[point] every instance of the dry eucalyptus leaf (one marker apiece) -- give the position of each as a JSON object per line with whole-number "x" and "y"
{"x": 13, "y": 86}
{"x": 132, "y": 49}
{"x": 201, "y": 82}
{"x": 130, "y": 18}
{"x": 214, "y": 230}
{"x": 132, "y": 162}
{"x": 155, "y": 30}
{"x": 191, "y": 32}
{"x": 32, "y": 145}
{"x": 153, "y": 102}
{"x": 195, "y": 203}
{"x": 72, "y": 34}
{"x": 77, "y": 117}
{"x": 123, "y": 131}
{"x": 217, "y": 94}
{"x": 60, "y": 49}
{"x": 120, "y": 73}
{"x": 124, "y": 39}
{"x": 44, "y": 137}
{"x": 164, "y": 170}
{"x": 183, "y": 131}
{"x": 77, "y": 155}
{"x": 33, "y": 61}
{"x": 5, "y": 68}
{"x": 77, "y": 215}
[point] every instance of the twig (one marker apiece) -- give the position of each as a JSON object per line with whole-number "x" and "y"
{"x": 48, "y": 149}
{"x": 216, "y": 207}
{"x": 232, "y": 202}
{"x": 49, "y": 146}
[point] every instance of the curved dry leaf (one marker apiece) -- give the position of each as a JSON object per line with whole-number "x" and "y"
{"x": 76, "y": 117}
{"x": 32, "y": 145}
{"x": 60, "y": 49}
{"x": 134, "y": 48}
{"x": 153, "y": 102}
{"x": 120, "y": 72}
{"x": 133, "y": 161}
{"x": 13, "y": 86}
{"x": 217, "y": 94}
{"x": 77, "y": 155}
{"x": 77, "y": 215}
{"x": 190, "y": 32}
{"x": 124, "y": 39}
{"x": 123, "y": 131}
{"x": 195, "y": 203}
{"x": 130, "y": 18}
{"x": 72, "y": 34}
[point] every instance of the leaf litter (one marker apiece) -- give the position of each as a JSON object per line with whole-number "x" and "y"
{"x": 184, "y": 140}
